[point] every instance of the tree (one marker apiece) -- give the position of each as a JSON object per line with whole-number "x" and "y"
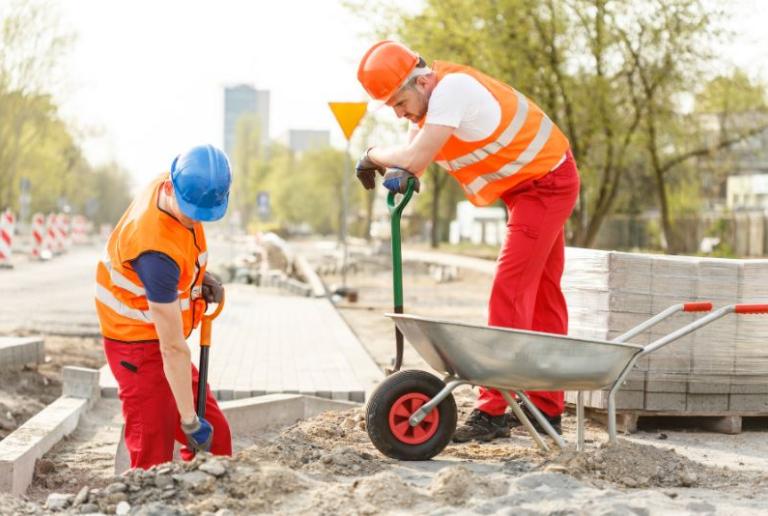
{"x": 610, "y": 73}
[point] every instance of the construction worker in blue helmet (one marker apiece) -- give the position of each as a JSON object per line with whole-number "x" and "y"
{"x": 152, "y": 290}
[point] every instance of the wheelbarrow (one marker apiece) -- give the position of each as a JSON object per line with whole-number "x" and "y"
{"x": 412, "y": 414}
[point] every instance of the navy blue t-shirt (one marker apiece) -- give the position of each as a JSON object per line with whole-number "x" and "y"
{"x": 160, "y": 276}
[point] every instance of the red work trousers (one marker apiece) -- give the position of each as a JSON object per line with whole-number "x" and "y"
{"x": 152, "y": 421}
{"x": 526, "y": 288}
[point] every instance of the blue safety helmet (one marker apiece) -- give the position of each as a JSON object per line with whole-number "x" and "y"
{"x": 201, "y": 178}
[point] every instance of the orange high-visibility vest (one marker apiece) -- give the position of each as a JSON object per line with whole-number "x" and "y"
{"x": 525, "y": 145}
{"x": 121, "y": 301}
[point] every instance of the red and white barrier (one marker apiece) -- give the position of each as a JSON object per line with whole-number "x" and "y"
{"x": 38, "y": 237}
{"x": 51, "y": 235}
{"x": 62, "y": 228}
{"x": 79, "y": 230}
{"x": 7, "y": 225}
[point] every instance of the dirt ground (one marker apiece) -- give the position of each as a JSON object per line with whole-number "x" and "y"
{"x": 327, "y": 464}
{"x": 24, "y": 392}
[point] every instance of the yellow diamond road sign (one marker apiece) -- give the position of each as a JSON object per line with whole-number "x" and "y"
{"x": 348, "y": 115}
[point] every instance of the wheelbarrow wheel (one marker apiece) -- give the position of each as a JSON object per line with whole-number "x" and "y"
{"x": 393, "y": 402}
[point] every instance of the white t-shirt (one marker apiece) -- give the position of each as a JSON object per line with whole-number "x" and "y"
{"x": 460, "y": 101}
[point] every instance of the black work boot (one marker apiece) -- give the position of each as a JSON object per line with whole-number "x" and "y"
{"x": 555, "y": 421}
{"x": 482, "y": 427}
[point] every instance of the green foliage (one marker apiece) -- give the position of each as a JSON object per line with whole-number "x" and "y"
{"x": 35, "y": 144}
{"x": 613, "y": 74}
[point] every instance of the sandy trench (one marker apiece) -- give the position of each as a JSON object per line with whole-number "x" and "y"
{"x": 327, "y": 465}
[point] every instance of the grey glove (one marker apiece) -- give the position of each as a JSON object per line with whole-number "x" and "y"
{"x": 366, "y": 169}
{"x": 213, "y": 290}
{"x": 396, "y": 180}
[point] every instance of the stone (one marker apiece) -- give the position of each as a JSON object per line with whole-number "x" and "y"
{"x": 214, "y": 467}
{"x": 117, "y": 487}
{"x": 163, "y": 481}
{"x": 89, "y": 508}
{"x": 58, "y": 501}
{"x": 193, "y": 479}
{"x": 123, "y": 508}
{"x": 224, "y": 512}
{"x": 81, "y": 497}
{"x": 114, "y": 498}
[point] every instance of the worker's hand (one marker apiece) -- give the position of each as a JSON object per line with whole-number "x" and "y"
{"x": 213, "y": 290}
{"x": 199, "y": 434}
{"x": 366, "y": 169}
{"x": 396, "y": 180}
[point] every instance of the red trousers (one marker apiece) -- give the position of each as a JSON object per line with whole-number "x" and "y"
{"x": 152, "y": 421}
{"x": 526, "y": 289}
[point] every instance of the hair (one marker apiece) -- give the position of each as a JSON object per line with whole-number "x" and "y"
{"x": 416, "y": 73}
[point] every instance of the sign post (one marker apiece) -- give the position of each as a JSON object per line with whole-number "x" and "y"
{"x": 348, "y": 115}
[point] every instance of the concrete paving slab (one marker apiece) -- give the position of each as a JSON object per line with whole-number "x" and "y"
{"x": 19, "y": 351}
{"x": 272, "y": 343}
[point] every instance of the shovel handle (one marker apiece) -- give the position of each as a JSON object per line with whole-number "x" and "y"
{"x": 205, "y": 325}
{"x": 751, "y": 309}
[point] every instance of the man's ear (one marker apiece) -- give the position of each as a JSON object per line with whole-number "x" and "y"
{"x": 168, "y": 187}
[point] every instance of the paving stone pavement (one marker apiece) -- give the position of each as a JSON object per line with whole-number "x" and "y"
{"x": 266, "y": 342}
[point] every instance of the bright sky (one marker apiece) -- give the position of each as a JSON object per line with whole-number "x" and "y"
{"x": 145, "y": 78}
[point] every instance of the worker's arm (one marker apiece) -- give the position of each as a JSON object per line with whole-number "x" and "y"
{"x": 418, "y": 153}
{"x": 176, "y": 355}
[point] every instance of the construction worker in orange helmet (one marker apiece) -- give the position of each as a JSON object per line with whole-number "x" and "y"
{"x": 497, "y": 144}
{"x": 151, "y": 292}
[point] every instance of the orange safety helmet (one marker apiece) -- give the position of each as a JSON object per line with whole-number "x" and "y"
{"x": 385, "y": 67}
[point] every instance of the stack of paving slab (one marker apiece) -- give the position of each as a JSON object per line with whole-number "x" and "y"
{"x": 722, "y": 367}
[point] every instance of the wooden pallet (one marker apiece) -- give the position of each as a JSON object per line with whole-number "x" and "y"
{"x": 628, "y": 421}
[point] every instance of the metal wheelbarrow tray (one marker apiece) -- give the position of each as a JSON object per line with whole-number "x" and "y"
{"x": 513, "y": 361}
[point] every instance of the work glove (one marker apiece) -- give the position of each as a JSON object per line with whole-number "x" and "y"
{"x": 396, "y": 180}
{"x": 213, "y": 290}
{"x": 199, "y": 434}
{"x": 366, "y": 169}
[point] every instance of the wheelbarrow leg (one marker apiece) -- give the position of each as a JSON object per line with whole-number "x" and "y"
{"x": 524, "y": 420}
{"x": 580, "y": 421}
{"x": 425, "y": 409}
{"x": 541, "y": 419}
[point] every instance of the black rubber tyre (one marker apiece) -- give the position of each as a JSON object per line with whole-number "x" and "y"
{"x": 387, "y": 394}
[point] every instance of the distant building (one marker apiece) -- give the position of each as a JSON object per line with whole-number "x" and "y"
{"x": 240, "y": 100}
{"x": 478, "y": 225}
{"x": 302, "y": 140}
{"x": 747, "y": 191}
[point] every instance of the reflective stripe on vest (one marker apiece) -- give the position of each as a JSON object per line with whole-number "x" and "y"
{"x": 545, "y": 129}
{"x": 502, "y": 141}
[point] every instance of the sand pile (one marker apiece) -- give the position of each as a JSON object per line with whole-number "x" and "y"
{"x": 638, "y": 466}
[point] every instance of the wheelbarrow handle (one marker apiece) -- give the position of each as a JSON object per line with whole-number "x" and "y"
{"x": 751, "y": 309}
{"x": 697, "y": 307}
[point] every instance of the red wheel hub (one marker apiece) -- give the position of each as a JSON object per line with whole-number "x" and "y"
{"x": 402, "y": 409}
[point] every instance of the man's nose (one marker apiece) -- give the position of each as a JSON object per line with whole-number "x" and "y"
{"x": 400, "y": 112}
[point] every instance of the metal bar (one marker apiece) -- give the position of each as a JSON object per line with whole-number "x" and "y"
{"x": 524, "y": 420}
{"x": 541, "y": 419}
{"x": 418, "y": 416}
{"x": 645, "y": 325}
{"x": 344, "y": 215}
{"x": 685, "y": 330}
{"x": 580, "y": 421}
{"x": 612, "y": 397}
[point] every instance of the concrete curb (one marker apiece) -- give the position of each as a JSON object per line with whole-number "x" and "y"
{"x": 257, "y": 414}
{"x": 20, "y": 450}
{"x": 19, "y": 351}
{"x": 309, "y": 273}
